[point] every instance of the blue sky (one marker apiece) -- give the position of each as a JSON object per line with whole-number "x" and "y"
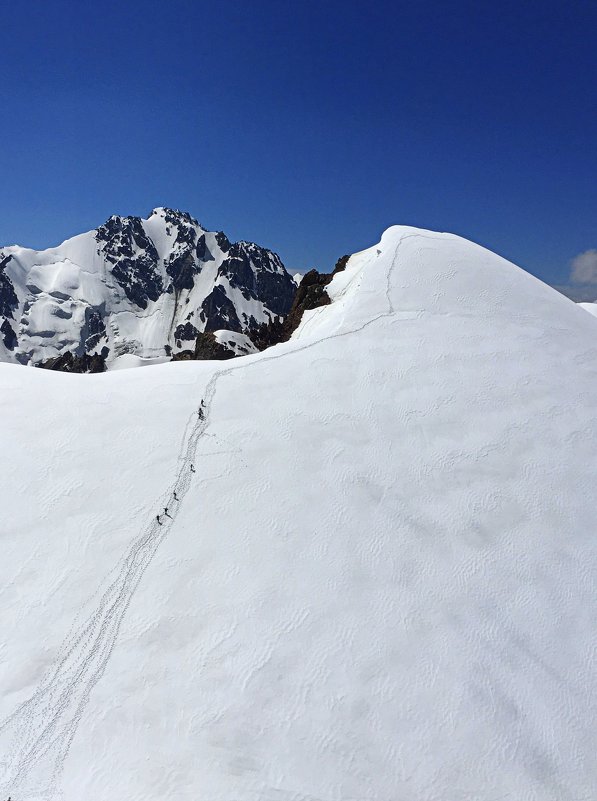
{"x": 308, "y": 127}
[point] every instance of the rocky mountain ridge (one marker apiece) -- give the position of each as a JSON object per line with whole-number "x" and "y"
{"x": 147, "y": 287}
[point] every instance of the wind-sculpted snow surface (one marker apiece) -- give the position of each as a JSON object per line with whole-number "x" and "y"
{"x": 38, "y": 735}
{"x": 376, "y": 581}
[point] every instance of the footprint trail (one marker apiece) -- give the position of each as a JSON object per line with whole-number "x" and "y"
{"x": 35, "y": 739}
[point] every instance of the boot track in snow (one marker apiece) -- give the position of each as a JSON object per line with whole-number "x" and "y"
{"x": 35, "y": 739}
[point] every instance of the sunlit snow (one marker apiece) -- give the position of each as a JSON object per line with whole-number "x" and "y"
{"x": 377, "y": 582}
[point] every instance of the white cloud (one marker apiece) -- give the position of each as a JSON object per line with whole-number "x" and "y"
{"x": 584, "y": 268}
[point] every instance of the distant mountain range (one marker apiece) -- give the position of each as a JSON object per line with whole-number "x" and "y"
{"x": 153, "y": 289}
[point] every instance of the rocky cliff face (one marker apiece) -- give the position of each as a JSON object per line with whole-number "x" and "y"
{"x": 147, "y": 287}
{"x": 310, "y": 294}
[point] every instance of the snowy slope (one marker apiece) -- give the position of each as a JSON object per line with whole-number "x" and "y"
{"x": 144, "y": 287}
{"x": 377, "y": 584}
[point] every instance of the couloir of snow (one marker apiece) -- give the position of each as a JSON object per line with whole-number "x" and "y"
{"x": 378, "y": 582}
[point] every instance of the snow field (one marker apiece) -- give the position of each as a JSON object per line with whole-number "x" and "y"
{"x": 378, "y": 584}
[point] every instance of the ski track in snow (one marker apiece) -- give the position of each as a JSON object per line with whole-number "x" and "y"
{"x": 39, "y": 733}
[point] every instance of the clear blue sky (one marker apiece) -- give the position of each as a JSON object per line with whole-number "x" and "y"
{"x": 308, "y": 127}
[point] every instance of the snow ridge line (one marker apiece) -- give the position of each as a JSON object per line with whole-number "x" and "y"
{"x": 41, "y": 730}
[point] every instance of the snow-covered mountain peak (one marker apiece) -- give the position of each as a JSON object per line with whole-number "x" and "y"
{"x": 150, "y": 285}
{"x": 429, "y": 275}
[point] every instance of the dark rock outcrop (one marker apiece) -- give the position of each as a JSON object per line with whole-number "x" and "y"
{"x": 182, "y": 269}
{"x": 185, "y": 333}
{"x": 310, "y": 294}
{"x": 219, "y": 311}
{"x": 206, "y": 347}
{"x": 71, "y": 363}
{"x": 93, "y": 330}
{"x": 185, "y": 263}
{"x": 133, "y": 256}
{"x": 8, "y": 296}
{"x": 340, "y": 265}
{"x": 183, "y": 222}
{"x": 202, "y": 252}
{"x": 8, "y": 335}
{"x": 260, "y": 275}
{"x": 237, "y": 269}
{"x": 183, "y": 356}
{"x": 223, "y": 241}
